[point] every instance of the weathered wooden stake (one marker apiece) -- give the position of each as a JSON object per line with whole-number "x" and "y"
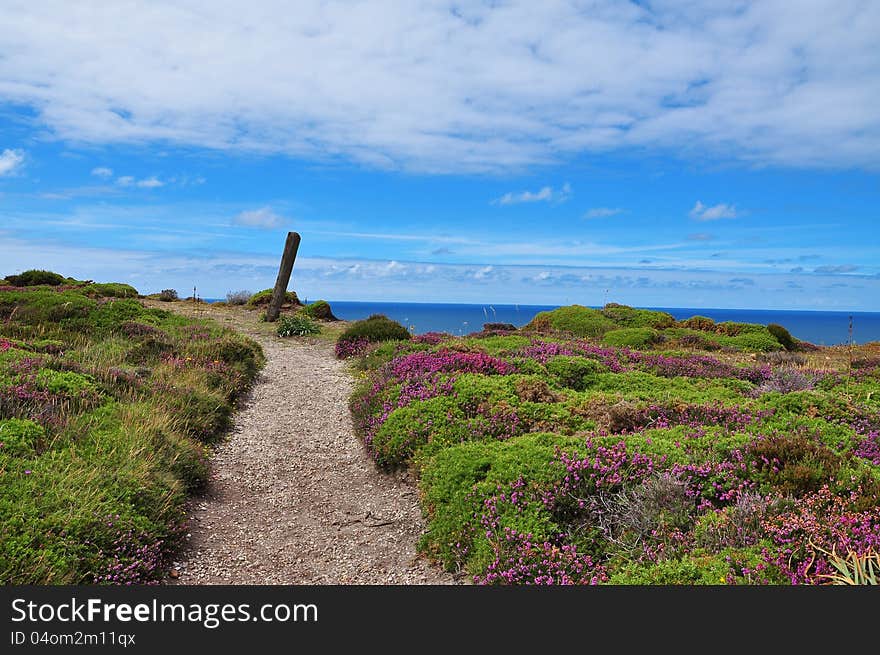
{"x": 280, "y": 290}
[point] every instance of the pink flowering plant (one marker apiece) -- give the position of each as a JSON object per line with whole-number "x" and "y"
{"x": 560, "y": 460}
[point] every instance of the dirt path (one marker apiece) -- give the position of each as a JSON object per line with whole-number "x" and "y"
{"x": 293, "y": 498}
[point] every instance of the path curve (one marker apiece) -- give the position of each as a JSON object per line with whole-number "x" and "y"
{"x": 293, "y": 497}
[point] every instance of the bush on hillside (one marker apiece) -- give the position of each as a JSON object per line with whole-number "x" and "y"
{"x": 373, "y": 329}
{"x": 35, "y": 277}
{"x": 629, "y": 317}
{"x": 168, "y": 295}
{"x": 110, "y": 290}
{"x": 782, "y": 335}
{"x": 264, "y": 297}
{"x": 577, "y": 320}
{"x": 319, "y": 310}
{"x": 701, "y": 323}
{"x": 639, "y": 337}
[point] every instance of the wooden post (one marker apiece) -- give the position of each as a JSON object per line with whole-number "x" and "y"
{"x": 287, "y": 259}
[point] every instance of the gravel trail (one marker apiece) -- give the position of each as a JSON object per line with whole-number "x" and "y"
{"x": 293, "y": 497}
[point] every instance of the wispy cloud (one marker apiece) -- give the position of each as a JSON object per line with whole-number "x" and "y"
{"x": 151, "y": 182}
{"x": 102, "y": 172}
{"x": 10, "y": 161}
{"x": 603, "y": 212}
{"x": 843, "y": 268}
{"x": 544, "y": 194}
{"x": 264, "y": 218}
{"x": 700, "y": 236}
{"x": 703, "y": 212}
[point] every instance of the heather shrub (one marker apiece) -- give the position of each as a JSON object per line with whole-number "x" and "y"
{"x": 574, "y": 319}
{"x": 238, "y": 297}
{"x": 374, "y": 329}
{"x": 574, "y": 372}
{"x": 110, "y": 290}
{"x": 168, "y": 295}
{"x": 264, "y": 297}
{"x": 632, "y": 338}
{"x": 734, "y": 329}
{"x": 97, "y": 456}
{"x": 782, "y": 335}
{"x": 754, "y": 341}
{"x": 35, "y": 277}
{"x": 701, "y": 323}
{"x": 296, "y": 326}
{"x": 44, "y": 306}
{"x": 319, "y": 310}
{"x": 685, "y": 571}
{"x": 782, "y": 358}
{"x": 793, "y": 464}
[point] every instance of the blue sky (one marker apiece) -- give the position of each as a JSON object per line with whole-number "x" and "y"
{"x": 690, "y": 154}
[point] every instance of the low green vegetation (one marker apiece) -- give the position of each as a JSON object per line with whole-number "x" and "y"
{"x": 296, "y": 326}
{"x": 319, "y": 310}
{"x": 106, "y": 411}
{"x": 374, "y": 329}
{"x": 264, "y": 297}
{"x": 618, "y": 446}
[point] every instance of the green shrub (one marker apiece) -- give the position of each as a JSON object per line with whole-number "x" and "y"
{"x": 264, "y": 297}
{"x": 632, "y": 337}
{"x": 36, "y": 277}
{"x": 168, "y": 295}
{"x": 110, "y": 290}
{"x": 66, "y": 383}
{"x": 44, "y": 306}
{"x": 700, "y": 323}
{"x": 574, "y": 372}
{"x": 319, "y": 310}
{"x": 296, "y": 326}
{"x": 19, "y": 437}
{"x": 686, "y": 571}
{"x": 628, "y": 317}
{"x": 782, "y": 335}
{"x": 374, "y": 329}
{"x": 754, "y": 341}
{"x": 577, "y": 320}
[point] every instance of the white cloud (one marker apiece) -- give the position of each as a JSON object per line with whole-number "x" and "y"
{"x": 10, "y": 160}
{"x": 151, "y": 182}
{"x": 544, "y": 194}
{"x": 702, "y": 212}
{"x": 603, "y": 212}
{"x": 264, "y": 217}
{"x": 102, "y": 171}
{"x": 770, "y": 82}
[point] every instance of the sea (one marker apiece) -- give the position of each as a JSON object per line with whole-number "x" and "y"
{"x": 823, "y": 328}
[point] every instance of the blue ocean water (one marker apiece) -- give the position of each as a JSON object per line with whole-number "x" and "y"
{"x": 819, "y": 327}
